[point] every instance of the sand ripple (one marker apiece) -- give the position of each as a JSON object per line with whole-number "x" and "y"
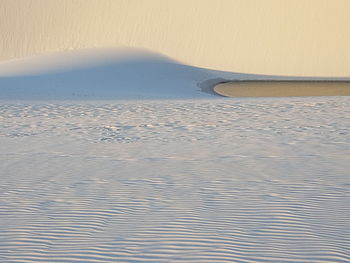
{"x": 181, "y": 181}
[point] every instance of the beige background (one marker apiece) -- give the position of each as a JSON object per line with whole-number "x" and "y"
{"x": 289, "y": 37}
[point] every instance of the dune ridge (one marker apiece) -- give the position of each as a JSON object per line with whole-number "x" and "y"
{"x": 131, "y": 73}
{"x": 104, "y": 73}
{"x": 270, "y": 37}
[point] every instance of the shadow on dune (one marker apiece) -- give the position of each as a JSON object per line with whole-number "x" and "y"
{"x": 110, "y": 73}
{"x": 106, "y": 74}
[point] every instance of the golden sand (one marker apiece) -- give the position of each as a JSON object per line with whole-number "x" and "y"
{"x": 270, "y": 37}
{"x": 283, "y": 88}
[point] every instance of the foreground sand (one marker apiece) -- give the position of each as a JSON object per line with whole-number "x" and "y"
{"x": 283, "y": 88}
{"x": 227, "y": 180}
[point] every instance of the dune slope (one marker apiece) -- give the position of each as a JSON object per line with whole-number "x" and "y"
{"x": 103, "y": 74}
{"x": 307, "y": 38}
{"x": 130, "y": 73}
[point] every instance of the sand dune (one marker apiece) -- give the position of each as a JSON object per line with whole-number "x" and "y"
{"x": 130, "y": 73}
{"x": 107, "y": 73}
{"x": 79, "y": 49}
{"x": 309, "y": 38}
{"x": 192, "y": 180}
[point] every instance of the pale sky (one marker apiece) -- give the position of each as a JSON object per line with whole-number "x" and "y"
{"x": 286, "y": 37}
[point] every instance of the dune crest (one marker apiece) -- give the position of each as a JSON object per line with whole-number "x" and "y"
{"x": 265, "y": 37}
{"x": 105, "y": 73}
{"x": 131, "y": 73}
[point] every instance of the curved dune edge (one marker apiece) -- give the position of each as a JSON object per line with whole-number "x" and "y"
{"x": 267, "y": 37}
{"x": 283, "y": 88}
{"x": 129, "y": 73}
{"x": 106, "y": 73}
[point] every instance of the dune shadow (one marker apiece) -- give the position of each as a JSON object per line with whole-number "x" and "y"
{"x": 135, "y": 75}
{"x": 122, "y": 73}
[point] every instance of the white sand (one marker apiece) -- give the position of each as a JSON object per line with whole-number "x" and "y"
{"x": 116, "y": 73}
{"x": 309, "y": 38}
{"x": 108, "y": 73}
{"x": 244, "y": 180}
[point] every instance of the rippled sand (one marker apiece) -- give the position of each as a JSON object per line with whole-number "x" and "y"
{"x": 283, "y": 88}
{"x": 243, "y": 180}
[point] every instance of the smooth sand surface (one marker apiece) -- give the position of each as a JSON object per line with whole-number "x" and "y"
{"x": 109, "y": 73}
{"x": 273, "y": 37}
{"x": 283, "y": 88}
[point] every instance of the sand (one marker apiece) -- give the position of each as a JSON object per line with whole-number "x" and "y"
{"x": 271, "y": 37}
{"x": 130, "y": 73}
{"x": 106, "y": 73}
{"x": 227, "y": 180}
{"x": 283, "y": 88}
{"x": 191, "y": 179}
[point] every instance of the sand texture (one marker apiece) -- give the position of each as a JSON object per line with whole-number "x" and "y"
{"x": 243, "y": 180}
{"x": 283, "y": 88}
{"x": 118, "y": 73}
{"x": 309, "y": 38}
{"x": 105, "y": 73}
{"x": 115, "y": 147}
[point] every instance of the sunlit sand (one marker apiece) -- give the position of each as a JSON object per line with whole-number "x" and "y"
{"x": 283, "y": 88}
{"x": 269, "y": 37}
{"x": 116, "y": 145}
